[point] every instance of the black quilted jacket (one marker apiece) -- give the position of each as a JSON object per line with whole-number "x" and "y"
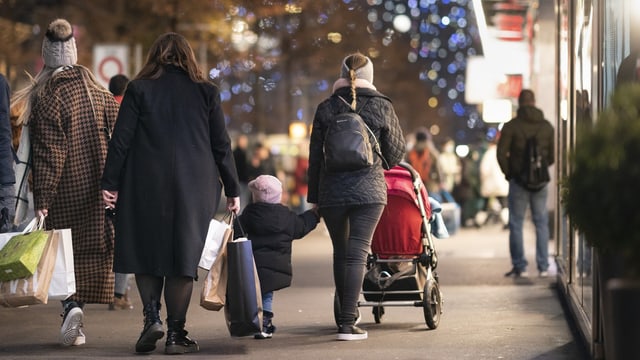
{"x": 364, "y": 186}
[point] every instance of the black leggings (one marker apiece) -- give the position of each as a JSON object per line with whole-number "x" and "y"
{"x": 177, "y": 293}
{"x": 351, "y": 229}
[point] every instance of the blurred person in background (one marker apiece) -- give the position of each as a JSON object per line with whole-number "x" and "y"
{"x": 529, "y": 122}
{"x": 423, "y": 157}
{"x": 494, "y": 188}
{"x": 7, "y": 172}
{"x": 260, "y": 162}
{"x": 240, "y": 153}
{"x": 450, "y": 165}
{"x": 301, "y": 180}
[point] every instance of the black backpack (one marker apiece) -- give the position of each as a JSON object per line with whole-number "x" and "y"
{"x": 347, "y": 142}
{"x": 535, "y": 170}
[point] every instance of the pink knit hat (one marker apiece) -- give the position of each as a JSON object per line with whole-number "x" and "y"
{"x": 266, "y": 188}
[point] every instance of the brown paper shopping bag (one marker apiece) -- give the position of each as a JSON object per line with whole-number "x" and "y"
{"x": 34, "y": 289}
{"x": 214, "y": 290}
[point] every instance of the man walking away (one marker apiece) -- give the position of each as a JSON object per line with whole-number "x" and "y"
{"x": 514, "y": 151}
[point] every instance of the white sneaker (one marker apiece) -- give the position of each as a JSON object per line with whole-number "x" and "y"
{"x": 544, "y": 274}
{"x": 81, "y": 339}
{"x": 71, "y": 326}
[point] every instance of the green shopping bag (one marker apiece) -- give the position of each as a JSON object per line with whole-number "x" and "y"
{"x": 20, "y": 256}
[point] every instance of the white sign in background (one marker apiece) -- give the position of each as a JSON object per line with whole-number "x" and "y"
{"x": 110, "y": 60}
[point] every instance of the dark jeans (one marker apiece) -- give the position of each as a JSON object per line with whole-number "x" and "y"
{"x": 351, "y": 229}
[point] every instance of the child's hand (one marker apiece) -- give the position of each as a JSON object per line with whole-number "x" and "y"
{"x": 316, "y": 211}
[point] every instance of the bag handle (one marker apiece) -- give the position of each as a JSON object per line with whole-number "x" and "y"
{"x": 37, "y": 223}
{"x": 237, "y": 221}
{"x": 228, "y": 217}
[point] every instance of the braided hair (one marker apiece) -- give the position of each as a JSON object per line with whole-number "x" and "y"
{"x": 354, "y": 62}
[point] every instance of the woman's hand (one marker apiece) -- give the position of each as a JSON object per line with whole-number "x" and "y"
{"x": 110, "y": 198}
{"x": 233, "y": 204}
{"x": 42, "y": 213}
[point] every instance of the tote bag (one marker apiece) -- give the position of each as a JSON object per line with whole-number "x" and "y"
{"x": 63, "y": 281}
{"x": 243, "y": 308}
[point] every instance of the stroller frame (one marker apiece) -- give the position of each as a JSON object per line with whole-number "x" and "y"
{"x": 416, "y": 285}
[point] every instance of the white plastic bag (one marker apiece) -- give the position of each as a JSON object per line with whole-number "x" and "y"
{"x": 217, "y": 230}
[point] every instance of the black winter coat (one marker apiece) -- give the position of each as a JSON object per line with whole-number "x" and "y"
{"x": 169, "y": 153}
{"x": 7, "y": 160}
{"x": 271, "y": 229}
{"x": 367, "y": 185}
{"x": 530, "y": 121}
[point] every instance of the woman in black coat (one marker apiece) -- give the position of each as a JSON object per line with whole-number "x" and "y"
{"x": 170, "y": 150}
{"x": 351, "y": 203}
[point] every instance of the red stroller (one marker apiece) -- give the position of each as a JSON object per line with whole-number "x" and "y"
{"x": 402, "y": 263}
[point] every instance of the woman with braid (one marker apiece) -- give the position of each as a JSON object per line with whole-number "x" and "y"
{"x": 351, "y": 203}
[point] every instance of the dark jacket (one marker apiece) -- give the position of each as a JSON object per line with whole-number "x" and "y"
{"x": 271, "y": 229}
{"x": 513, "y": 138}
{"x": 7, "y": 160}
{"x": 169, "y": 153}
{"x": 367, "y": 185}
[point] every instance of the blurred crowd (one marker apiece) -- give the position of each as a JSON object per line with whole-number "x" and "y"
{"x": 466, "y": 179}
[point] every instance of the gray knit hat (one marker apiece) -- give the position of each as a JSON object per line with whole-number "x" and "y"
{"x": 365, "y": 72}
{"x": 59, "y": 45}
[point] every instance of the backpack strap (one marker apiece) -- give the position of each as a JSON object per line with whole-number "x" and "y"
{"x": 376, "y": 146}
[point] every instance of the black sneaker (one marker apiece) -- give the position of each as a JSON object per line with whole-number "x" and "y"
{"x": 517, "y": 273}
{"x": 267, "y": 332}
{"x": 351, "y": 332}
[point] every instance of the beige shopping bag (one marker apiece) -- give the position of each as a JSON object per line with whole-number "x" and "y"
{"x": 214, "y": 290}
{"x": 34, "y": 289}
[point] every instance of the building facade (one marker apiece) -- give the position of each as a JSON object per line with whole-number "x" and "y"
{"x": 593, "y": 38}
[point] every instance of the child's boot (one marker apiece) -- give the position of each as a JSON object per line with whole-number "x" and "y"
{"x": 267, "y": 326}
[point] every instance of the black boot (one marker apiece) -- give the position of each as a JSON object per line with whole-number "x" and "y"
{"x": 177, "y": 340}
{"x": 267, "y": 326}
{"x": 152, "y": 330}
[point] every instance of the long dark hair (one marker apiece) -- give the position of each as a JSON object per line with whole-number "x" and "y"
{"x": 171, "y": 49}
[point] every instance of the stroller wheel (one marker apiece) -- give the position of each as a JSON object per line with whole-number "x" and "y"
{"x": 432, "y": 304}
{"x": 378, "y": 311}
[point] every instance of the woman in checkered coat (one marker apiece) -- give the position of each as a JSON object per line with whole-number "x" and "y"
{"x": 69, "y": 116}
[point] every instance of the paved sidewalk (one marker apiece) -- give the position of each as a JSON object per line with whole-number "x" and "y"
{"x": 486, "y": 316}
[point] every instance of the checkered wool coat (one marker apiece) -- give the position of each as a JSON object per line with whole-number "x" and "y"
{"x": 69, "y": 147}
